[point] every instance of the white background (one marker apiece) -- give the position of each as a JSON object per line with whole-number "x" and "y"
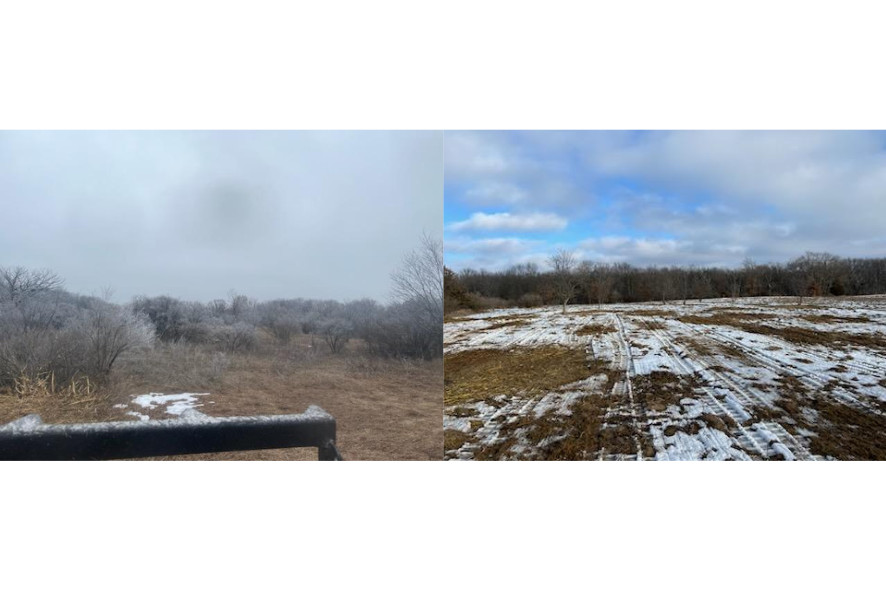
{"x": 404, "y": 65}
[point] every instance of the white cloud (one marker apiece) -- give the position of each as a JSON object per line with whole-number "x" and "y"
{"x": 683, "y": 197}
{"x": 472, "y": 155}
{"x": 638, "y": 251}
{"x": 499, "y": 246}
{"x": 496, "y": 193}
{"x": 533, "y": 222}
{"x": 805, "y": 174}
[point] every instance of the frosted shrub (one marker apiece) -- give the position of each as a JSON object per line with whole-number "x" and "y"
{"x": 336, "y": 333}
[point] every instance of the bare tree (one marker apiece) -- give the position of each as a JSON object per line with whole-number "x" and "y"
{"x": 597, "y": 281}
{"x": 665, "y": 281}
{"x": 32, "y": 295}
{"x": 420, "y": 278}
{"x": 232, "y": 338}
{"x": 18, "y": 283}
{"x": 683, "y": 279}
{"x": 413, "y": 326}
{"x": 588, "y": 280}
{"x": 735, "y": 284}
{"x": 815, "y": 272}
{"x": 336, "y": 334}
{"x": 820, "y": 269}
{"x": 819, "y": 274}
{"x": 751, "y": 273}
{"x": 565, "y": 283}
{"x": 105, "y": 331}
{"x": 605, "y": 283}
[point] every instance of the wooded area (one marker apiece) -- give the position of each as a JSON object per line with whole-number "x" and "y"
{"x": 47, "y": 332}
{"x": 812, "y": 274}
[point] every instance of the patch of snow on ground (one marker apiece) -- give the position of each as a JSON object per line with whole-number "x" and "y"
{"x": 175, "y": 404}
{"x": 547, "y": 326}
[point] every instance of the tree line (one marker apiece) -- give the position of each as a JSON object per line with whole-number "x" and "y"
{"x": 47, "y": 330}
{"x": 571, "y": 281}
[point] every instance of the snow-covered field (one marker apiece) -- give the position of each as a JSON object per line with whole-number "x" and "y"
{"x": 757, "y": 378}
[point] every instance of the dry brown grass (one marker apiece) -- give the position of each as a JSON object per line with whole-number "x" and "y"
{"x": 723, "y": 423}
{"x": 842, "y": 431}
{"x": 690, "y": 428}
{"x": 461, "y": 412}
{"x": 806, "y": 336}
{"x": 506, "y": 321}
{"x": 791, "y": 334}
{"x": 831, "y": 319}
{"x": 847, "y": 433}
{"x": 658, "y": 390}
{"x": 594, "y": 330}
{"x": 696, "y": 345}
{"x": 481, "y": 374}
{"x": 789, "y": 385}
{"x": 454, "y": 439}
{"x": 721, "y": 318}
{"x": 651, "y": 312}
{"x": 617, "y": 437}
{"x": 458, "y": 315}
{"x": 583, "y": 429}
{"x": 384, "y": 410}
{"x": 594, "y": 312}
{"x": 736, "y": 352}
{"x": 577, "y": 436}
{"x": 79, "y": 401}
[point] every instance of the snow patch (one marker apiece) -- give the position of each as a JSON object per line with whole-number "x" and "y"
{"x": 175, "y": 404}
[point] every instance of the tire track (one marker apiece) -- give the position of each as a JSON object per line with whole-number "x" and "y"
{"x": 755, "y": 441}
{"x": 625, "y": 363}
{"x": 753, "y": 398}
{"x": 811, "y": 379}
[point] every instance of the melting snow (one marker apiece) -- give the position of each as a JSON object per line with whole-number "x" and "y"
{"x": 741, "y": 374}
{"x": 175, "y": 404}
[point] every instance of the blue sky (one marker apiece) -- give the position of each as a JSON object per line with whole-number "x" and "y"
{"x": 662, "y": 197}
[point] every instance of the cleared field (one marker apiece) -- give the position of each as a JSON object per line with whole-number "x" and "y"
{"x": 752, "y": 379}
{"x": 384, "y": 409}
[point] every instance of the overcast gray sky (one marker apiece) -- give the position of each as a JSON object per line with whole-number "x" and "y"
{"x": 197, "y": 214}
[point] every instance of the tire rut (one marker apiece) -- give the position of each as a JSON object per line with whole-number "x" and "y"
{"x": 756, "y": 440}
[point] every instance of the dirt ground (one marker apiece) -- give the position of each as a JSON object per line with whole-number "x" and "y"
{"x": 384, "y": 409}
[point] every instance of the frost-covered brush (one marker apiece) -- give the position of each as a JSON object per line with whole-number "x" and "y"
{"x": 28, "y": 438}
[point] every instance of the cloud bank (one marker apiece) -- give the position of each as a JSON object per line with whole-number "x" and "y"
{"x": 665, "y": 198}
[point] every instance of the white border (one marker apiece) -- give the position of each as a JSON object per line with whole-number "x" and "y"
{"x": 458, "y": 64}
{"x": 397, "y": 64}
{"x": 143, "y": 525}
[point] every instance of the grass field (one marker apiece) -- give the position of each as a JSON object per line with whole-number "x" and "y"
{"x": 747, "y": 379}
{"x": 384, "y": 409}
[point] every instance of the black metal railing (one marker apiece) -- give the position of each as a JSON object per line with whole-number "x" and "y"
{"x": 29, "y": 438}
